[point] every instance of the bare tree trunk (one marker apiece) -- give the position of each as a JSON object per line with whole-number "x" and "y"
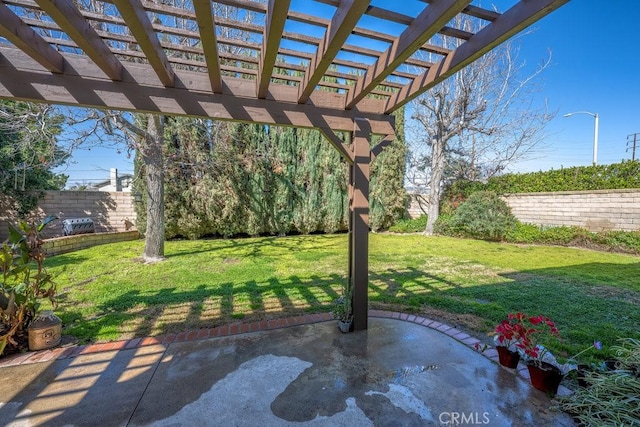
{"x": 154, "y": 166}
{"x": 437, "y": 173}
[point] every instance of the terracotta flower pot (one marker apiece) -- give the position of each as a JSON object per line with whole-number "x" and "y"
{"x": 507, "y": 357}
{"x": 545, "y": 377}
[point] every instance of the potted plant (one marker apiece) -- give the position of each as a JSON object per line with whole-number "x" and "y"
{"x": 24, "y": 283}
{"x": 343, "y": 310}
{"x": 544, "y": 372}
{"x": 507, "y": 336}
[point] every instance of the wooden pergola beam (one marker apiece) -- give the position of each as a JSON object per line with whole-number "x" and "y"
{"x": 476, "y": 12}
{"x": 207, "y": 28}
{"x": 380, "y": 146}
{"x": 514, "y": 20}
{"x": 344, "y": 21}
{"x": 140, "y": 26}
{"x": 273, "y": 31}
{"x": 24, "y": 38}
{"x": 426, "y": 25}
{"x": 359, "y": 223}
{"x": 71, "y": 21}
{"x": 338, "y": 144}
{"x": 140, "y": 91}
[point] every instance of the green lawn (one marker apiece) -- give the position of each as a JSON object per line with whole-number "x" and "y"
{"x": 107, "y": 294}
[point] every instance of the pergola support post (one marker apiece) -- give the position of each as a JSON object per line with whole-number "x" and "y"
{"x": 359, "y": 224}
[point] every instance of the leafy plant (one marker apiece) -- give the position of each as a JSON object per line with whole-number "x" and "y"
{"x": 508, "y": 332}
{"x": 483, "y": 216}
{"x": 613, "y": 397}
{"x": 603, "y": 177}
{"x": 444, "y": 226}
{"x": 343, "y": 310}
{"x": 24, "y": 281}
{"x": 409, "y": 225}
{"x": 617, "y": 241}
{"x": 532, "y": 331}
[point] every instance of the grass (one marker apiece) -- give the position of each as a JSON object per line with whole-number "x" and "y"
{"x": 106, "y": 294}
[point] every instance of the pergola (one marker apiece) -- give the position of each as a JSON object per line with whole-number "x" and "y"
{"x": 333, "y": 65}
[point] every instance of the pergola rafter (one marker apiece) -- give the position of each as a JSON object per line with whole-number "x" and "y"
{"x": 273, "y": 30}
{"x": 139, "y": 24}
{"x": 71, "y": 21}
{"x": 344, "y": 21}
{"x": 207, "y": 30}
{"x": 345, "y": 68}
{"x": 502, "y": 28}
{"x": 26, "y": 39}
{"x": 425, "y": 26}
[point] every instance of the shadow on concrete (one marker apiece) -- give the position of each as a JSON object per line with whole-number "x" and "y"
{"x": 395, "y": 373}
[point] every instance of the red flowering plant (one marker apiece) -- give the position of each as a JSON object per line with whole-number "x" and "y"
{"x": 535, "y": 330}
{"x": 525, "y": 334}
{"x": 510, "y": 331}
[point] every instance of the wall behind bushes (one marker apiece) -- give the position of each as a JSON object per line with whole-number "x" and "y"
{"x": 108, "y": 210}
{"x": 597, "y": 210}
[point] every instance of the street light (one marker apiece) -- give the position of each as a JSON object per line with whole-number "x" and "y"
{"x": 595, "y": 133}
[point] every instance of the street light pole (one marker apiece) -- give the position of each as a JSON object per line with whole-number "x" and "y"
{"x": 595, "y": 133}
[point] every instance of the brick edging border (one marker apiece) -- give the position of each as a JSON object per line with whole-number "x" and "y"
{"x": 242, "y": 328}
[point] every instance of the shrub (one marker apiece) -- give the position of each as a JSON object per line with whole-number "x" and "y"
{"x": 564, "y": 235}
{"x": 602, "y": 177}
{"x": 23, "y": 282}
{"x": 483, "y": 216}
{"x": 616, "y": 241}
{"x": 455, "y": 194}
{"x": 410, "y": 225}
{"x": 524, "y": 233}
{"x": 625, "y": 241}
{"x": 444, "y": 226}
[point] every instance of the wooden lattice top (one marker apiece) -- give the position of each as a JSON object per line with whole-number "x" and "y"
{"x": 314, "y": 63}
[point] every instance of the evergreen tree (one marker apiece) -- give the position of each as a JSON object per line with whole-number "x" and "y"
{"x": 284, "y": 167}
{"x": 387, "y": 196}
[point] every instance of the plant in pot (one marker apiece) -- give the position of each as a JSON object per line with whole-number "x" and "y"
{"x": 544, "y": 371}
{"x": 343, "y": 310}
{"x": 25, "y": 282}
{"x": 507, "y": 337}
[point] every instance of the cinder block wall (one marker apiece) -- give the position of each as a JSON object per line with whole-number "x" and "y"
{"x": 61, "y": 245}
{"x": 108, "y": 210}
{"x": 594, "y": 210}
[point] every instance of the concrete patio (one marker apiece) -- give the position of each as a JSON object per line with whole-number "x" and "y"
{"x": 404, "y": 370}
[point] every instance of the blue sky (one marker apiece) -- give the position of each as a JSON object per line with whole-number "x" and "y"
{"x": 594, "y": 68}
{"x": 595, "y": 64}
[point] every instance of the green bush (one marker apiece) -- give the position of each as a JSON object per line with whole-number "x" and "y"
{"x": 410, "y": 225}
{"x": 626, "y": 241}
{"x": 455, "y": 194}
{"x": 580, "y": 178}
{"x": 603, "y": 177}
{"x": 484, "y": 215}
{"x": 524, "y": 233}
{"x": 616, "y": 241}
{"x": 564, "y": 235}
{"x": 444, "y": 226}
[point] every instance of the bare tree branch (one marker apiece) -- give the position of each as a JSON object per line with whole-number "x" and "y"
{"x": 478, "y": 122}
